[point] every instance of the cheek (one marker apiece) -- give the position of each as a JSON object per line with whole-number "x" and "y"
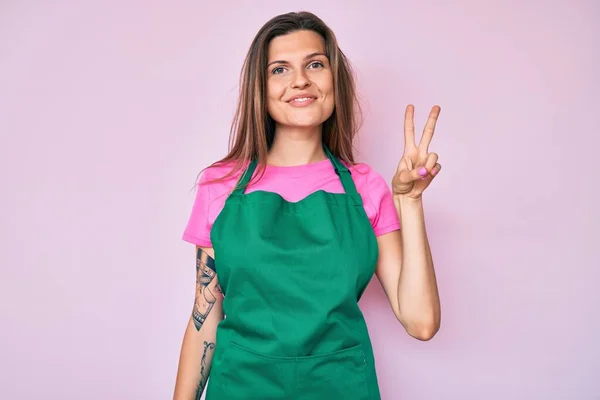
{"x": 329, "y": 97}
{"x": 275, "y": 92}
{"x": 329, "y": 87}
{"x": 326, "y": 86}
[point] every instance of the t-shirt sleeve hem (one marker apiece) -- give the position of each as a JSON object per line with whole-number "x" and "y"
{"x": 382, "y": 230}
{"x": 202, "y": 242}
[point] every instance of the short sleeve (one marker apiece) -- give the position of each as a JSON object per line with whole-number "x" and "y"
{"x": 386, "y": 217}
{"x": 198, "y": 227}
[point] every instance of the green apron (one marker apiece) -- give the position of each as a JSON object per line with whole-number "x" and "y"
{"x": 292, "y": 275}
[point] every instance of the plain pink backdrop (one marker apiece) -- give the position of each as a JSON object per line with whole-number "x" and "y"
{"x": 108, "y": 110}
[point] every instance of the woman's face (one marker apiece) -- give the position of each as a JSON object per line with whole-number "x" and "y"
{"x": 299, "y": 80}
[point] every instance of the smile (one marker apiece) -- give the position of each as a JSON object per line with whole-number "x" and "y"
{"x": 302, "y": 101}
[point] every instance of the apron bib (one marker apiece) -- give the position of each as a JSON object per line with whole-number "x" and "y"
{"x": 292, "y": 274}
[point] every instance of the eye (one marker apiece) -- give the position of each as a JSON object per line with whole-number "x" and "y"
{"x": 316, "y": 64}
{"x": 277, "y": 70}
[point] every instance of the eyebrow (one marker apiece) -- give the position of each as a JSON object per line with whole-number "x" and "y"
{"x": 311, "y": 55}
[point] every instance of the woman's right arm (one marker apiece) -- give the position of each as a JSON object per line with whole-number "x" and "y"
{"x": 199, "y": 340}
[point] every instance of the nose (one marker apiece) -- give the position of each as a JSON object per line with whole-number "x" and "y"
{"x": 300, "y": 81}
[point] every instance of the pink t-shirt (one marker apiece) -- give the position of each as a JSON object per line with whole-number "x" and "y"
{"x": 293, "y": 184}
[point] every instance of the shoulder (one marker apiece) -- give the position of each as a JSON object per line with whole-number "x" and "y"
{"x": 377, "y": 198}
{"x": 366, "y": 177}
{"x": 217, "y": 171}
{"x": 213, "y": 184}
{"x": 369, "y": 183}
{"x": 219, "y": 179}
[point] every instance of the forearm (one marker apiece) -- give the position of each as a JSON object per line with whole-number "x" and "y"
{"x": 418, "y": 298}
{"x": 199, "y": 341}
{"x": 195, "y": 360}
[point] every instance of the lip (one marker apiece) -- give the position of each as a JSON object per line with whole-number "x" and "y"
{"x": 302, "y": 95}
{"x": 311, "y": 99}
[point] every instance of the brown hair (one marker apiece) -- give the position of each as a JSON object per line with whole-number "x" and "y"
{"x": 253, "y": 129}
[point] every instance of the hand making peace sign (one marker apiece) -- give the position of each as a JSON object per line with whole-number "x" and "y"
{"x": 417, "y": 167}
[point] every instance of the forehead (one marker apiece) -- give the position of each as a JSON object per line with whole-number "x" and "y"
{"x": 296, "y": 45}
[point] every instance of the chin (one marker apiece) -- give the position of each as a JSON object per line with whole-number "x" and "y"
{"x": 306, "y": 121}
{"x": 305, "y": 124}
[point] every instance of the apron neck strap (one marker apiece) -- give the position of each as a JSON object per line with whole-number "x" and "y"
{"x": 340, "y": 170}
{"x": 245, "y": 178}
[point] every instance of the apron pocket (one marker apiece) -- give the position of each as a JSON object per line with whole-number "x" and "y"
{"x": 246, "y": 374}
{"x": 338, "y": 375}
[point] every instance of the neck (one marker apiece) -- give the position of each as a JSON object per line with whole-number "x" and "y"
{"x": 294, "y": 146}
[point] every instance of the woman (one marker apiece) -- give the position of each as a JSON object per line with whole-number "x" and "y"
{"x": 289, "y": 231}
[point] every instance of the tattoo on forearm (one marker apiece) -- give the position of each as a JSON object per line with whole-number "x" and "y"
{"x": 207, "y": 288}
{"x": 204, "y": 370}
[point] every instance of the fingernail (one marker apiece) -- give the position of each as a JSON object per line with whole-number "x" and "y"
{"x": 434, "y": 171}
{"x": 423, "y": 171}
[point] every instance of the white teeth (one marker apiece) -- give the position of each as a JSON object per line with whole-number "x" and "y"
{"x": 302, "y": 99}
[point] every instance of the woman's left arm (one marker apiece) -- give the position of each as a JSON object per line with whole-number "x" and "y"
{"x": 405, "y": 266}
{"x": 405, "y": 270}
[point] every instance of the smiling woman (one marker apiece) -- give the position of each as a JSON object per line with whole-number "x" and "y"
{"x": 289, "y": 230}
{"x": 299, "y": 86}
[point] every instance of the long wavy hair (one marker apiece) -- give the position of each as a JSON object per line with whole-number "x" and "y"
{"x": 253, "y": 129}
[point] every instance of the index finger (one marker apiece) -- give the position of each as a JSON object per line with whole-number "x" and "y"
{"x": 429, "y": 129}
{"x": 409, "y": 127}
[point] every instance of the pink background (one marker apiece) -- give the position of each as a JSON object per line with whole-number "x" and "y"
{"x": 108, "y": 110}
